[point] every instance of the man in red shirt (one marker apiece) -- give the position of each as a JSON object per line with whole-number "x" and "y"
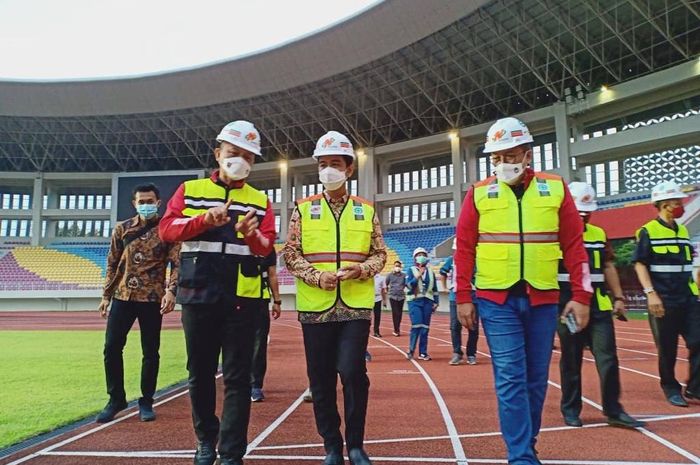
{"x": 514, "y": 227}
{"x": 224, "y": 225}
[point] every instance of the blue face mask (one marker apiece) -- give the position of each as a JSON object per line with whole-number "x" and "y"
{"x": 147, "y": 210}
{"x": 421, "y": 260}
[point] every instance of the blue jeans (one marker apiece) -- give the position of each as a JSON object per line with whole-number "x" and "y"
{"x": 520, "y": 339}
{"x": 419, "y": 310}
{"x": 456, "y": 333}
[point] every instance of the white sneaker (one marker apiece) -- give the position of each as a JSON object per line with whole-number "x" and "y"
{"x": 471, "y": 359}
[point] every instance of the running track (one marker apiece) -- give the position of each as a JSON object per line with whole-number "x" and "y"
{"x": 419, "y": 412}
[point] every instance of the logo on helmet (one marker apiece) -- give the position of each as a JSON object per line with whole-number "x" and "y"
{"x": 233, "y": 132}
{"x": 327, "y": 143}
{"x": 586, "y": 198}
{"x": 250, "y": 136}
{"x": 498, "y": 135}
{"x": 344, "y": 145}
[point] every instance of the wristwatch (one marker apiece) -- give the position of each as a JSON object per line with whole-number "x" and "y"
{"x": 618, "y": 298}
{"x": 277, "y": 302}
{"x": 648, "y": 290}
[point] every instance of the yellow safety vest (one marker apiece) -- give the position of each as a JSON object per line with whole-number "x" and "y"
{"x": 594, "y": 239}
{"x": 672, "y": 257}
{"x": 217, "y": 264}
{"x": 518, "y": 238}
{"x": 330, "y": 244}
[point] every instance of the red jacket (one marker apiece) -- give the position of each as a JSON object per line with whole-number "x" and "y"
{"x": 570, "y": 241}
{"x": 176, "y": 227}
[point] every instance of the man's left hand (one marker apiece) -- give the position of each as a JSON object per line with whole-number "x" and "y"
{"x": 167, "y": 304}
{"x": 350, "y": 272}
{"x": 619, "y": 308}
{"x": 248, "y": 224}
{"x": 276, "y": 311}
{"x": 581, "y": 312}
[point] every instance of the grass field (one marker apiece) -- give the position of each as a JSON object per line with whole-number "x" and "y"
{"x": 52, "y": 378}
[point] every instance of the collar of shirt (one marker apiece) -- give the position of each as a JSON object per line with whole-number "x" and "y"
{"x": 341, "y": 200}
{"x": 673, "y": 226}
{"x": 217, "y": 180}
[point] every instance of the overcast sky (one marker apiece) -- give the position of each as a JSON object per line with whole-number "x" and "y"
{"x": 78, "y": 39}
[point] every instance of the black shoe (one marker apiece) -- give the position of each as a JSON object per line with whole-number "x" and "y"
{"x": 334, "y": 458}
{"x": 573, "y": 421}
{"x": 205, "y": 454}
{"x": 677, "y": 400}
{"x": 146, "y": 412}
{"x": 230, "y": 461}
{"x": 625, "y": 421}
{"x": 358, "y": 457}
{"x": 691, "y": 395}
{"x": 110, "y": 411}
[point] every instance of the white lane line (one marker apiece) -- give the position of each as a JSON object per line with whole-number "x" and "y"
{"x": 449, "y": 423}
{"x": 272, "y": 426}
{"x": 648, "y": 353}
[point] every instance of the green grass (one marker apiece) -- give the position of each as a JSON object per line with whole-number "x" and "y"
{"x": 53, "y": 378}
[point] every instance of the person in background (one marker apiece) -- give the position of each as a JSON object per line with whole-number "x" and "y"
{"x": 423, "y": 299}
{"x": 447, "y": 278}
{"x": 599, "y": 335}
{"x": 664, "y": 263}
{"x": 379, "y": 302}
{"x": 135, "y": 286}
{"x": 271, "y": 288}
{"x": 396, "y": 287}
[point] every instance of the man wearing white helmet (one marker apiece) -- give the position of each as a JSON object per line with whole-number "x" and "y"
{"x": 514, "y": 227}
{"x": 423, "y": 299}
{"x": 663, "y": 262}
{"x": 599, "y": 335}
{"x": 334, "y": 248}
{"x": 224, "y": 225}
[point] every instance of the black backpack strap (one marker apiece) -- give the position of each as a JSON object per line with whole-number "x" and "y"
{"x": 131, "y": 237}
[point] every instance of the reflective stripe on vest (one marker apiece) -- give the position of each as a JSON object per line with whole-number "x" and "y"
{"x": 671, "y": 255}
{"x": 595, "y": 278}
{"x": 199, "y": 196}
{"x": 331, "y": 244}
{"x": 514, "y": 246}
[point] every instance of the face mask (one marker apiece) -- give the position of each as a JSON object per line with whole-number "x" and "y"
{"x": 422, "y": 260}
{"x": 331, "y": 178}
{"x": 397, "y": 269}
{"x": 677, "y": 212}
{"x": 147, "y": 210}
{"x": 235, "y": 168}
{"x": 509, "y": 173}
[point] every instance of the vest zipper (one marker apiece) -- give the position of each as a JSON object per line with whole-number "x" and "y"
{"x": 522, "y": 238}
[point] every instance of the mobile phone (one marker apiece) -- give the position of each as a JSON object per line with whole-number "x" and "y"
{"x": 570, "y": 322}
{"x": 621, "y": 317}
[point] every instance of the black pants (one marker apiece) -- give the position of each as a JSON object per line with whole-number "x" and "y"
{"x": 121, "y": 318}
{"x": 377, "y": 316}
{"x": 456, "y": 332}
{"x": 396, "y": 313}
{"x": 683, "y": 321}
{"x": 599, "y": 335}
{"x": 262, "y": 330}
{"x": 211, "y": 330}
{"x": 332, "y": 349}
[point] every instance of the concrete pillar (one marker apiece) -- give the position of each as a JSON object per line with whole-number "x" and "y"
{"x": 563, "y": 134}
{"x": 286, "y": 196}
{"x": 37, "y": 207}
{"x": 366, "y": 174}
{"x": 298, "y": 186}
{"x": 457, "y": 170}
{"x": 51, "y": 204}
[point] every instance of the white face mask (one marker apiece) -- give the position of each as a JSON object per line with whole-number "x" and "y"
{"x": 235, "y": 168}
{"x": 397, "y": 269}
{"x": 509, "y": 173}
{"x": 331, "y": 178}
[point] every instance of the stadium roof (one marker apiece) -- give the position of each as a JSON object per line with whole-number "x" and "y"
{"x": 401, "y": 70}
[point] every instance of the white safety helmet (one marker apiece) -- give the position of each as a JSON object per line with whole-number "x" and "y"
{"x": 333, "y": 143}
{"x": 505, "y": 134}
{"x": 584, "y": 196}
{"x": 242, "y": 134}
{"x": 665, "y": 191}
{"x": 419, "y": 250}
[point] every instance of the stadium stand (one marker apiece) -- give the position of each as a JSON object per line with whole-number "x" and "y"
{"x": 402, "y": 241}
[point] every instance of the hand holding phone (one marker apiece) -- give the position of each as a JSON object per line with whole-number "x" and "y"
{"x": 570, "y": 322}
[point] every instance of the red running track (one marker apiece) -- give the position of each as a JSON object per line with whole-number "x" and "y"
{"x": 420, "y": 412}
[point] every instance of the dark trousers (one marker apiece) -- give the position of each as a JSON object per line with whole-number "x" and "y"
{"x": 456, "y": 333}
{"x": 211, "y": 330}
{"x": 396, "y": 313}
{"x": 599, "y": 335}
{"x": 332, "y": 349}
{"x": 683, "y": 321}
{"x": 121, "y": 318}
{"x": 377, "y": 317}
{"x": 262, "y": 330}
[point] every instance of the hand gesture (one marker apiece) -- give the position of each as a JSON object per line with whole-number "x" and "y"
{"x": 349, "y": 272}
{"x": 328, "y": 281}
{"x": 656, "y": 307}
{"x": 167, "y": 304}
{"x": 218, "y": 216}
{"x": 581, "y": 313}
{"x": 276, "y": 311}
{"x": 104, "y": 307}
{"x": 248, "y": 224}
{"x": 466, "y": 314}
